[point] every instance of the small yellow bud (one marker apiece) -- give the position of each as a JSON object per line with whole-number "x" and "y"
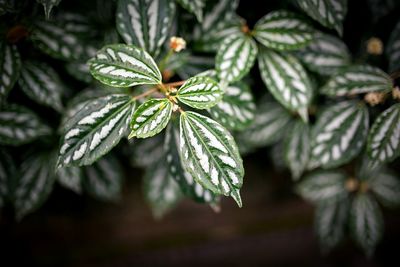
{"x": 177, "y": 43}
{"x": 374, "y": 46}
{"x": 374, "y": 98}
{"x": 396, "y": 93}
{"x": 173, "y": 90}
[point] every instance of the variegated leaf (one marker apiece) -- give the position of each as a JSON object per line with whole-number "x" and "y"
{"x": 187, "y": 184}
{"x": 330, "y": 222}
{"x": 103, "y": 179}
{"x": 151, "y": 117}
{"x": 217, "y": 11}
{"x": 297, "y": 149}
{"x": 10, "y": 65}
{"x": 195, "y": 65}
{"x": 19, "y": 125}
{"x": 95, "y": 130}
{"x": 79, "y": 70}
{"x": 8, "y": 172}
{"x": 146, "y": 152}
{"x": 235, "y": 58}
{"x": 48, "y": 5}
{"x": 325, "y": 55}
{"x": 161, "y": 191}
{"x": 386, "y": 187}
{"x": 34, "y": 183}
{"x": 366, "y": 222}
{"x": 209, "y": 153}
{"x": 145, "y": 23}
{"x": 286, "y": 79}
{"x": 327, "y": 185}
{"x": 330, "y": 13}
{"x": 357, "y": 79}
{"x": 283, "y": 30}
{"x": 42, "y": 84}
{"x": 70, "y": 178}
{"x": 194, "y": 6}
{"x": 200, "y": 93}
{"x": 393, "y": 49}
{"x": 384, "y": 137}
{"x": 122, "y": 65}
{"x": 339, "y": 134}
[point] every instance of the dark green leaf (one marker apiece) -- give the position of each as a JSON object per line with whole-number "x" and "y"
{"x": 70, "y": 178}
{"x": 10, "y": 65}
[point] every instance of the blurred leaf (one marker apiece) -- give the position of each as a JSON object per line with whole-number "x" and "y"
{"x": 386, "y": 187}
{"x": 7, "y": 176}
{"x": 393, "y": 49}
{"x": 48, "y": 5}
{"x": 70, "y": 178}
{"x": 10, "y": 65}
{"x": 194, "y": 6}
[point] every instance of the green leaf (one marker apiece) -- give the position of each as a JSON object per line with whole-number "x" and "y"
{"x": 235, "y": 58}
{"x": 146, "y": 152}
{"x": 151, "y": 117}
{"x": 48, "y": 6}
{"x": 325, "y": 55}
{"x": 324, "y": 185}
{"x": 194, "y": 65}
{"x": 285, "y": 78}
{"x": 95, "y": 130}
{"x": 194, "y": 6}
{"x": 386, "y": 187}
{"x": 161, "y": 191}
{"x": 297, "y": 149}
{"x": 122, "y": 65}
{"x": 80, "y": 71}
{"x": 339, "y": 134}
{"x": 70, "y": 178}
{"x": 7, "y": 176}
{"x": 42, "y": 84}
{"x": 103, "y": 179}
{"x": 283, "y": 30}
{"x": 200, "y": 93}
{"x": 330, "y": 222}
{"x": 34, "y": 183}
{"x": 329, "y": 13}
{"x": 216, "y": 12}
{"x": 384, "y": 137}
{"x": 185, "y": 180}
{"x": 19, "y": 125}
{"x": 10, "y": 65}
{"x": 145, "y": 23}
{"x": 393, "y": 49}
{"x": 366, "y": 222}
{"x": 357, "y": 79}
{"x": 209, "y": 153}
{"x": 236, "y": 110}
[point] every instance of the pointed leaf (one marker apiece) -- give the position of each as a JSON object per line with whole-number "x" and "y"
{"x": 384, "y": 137}
{"x": 200, "y": 93}
{"x": 7, "y": 176}
{"x": 217, "y": 11}
{"x": 48, "y": 5}
{"x": 285, "y": 78}
{"x": 150, "y": 118}
{"x": 209, "y": 153}
{"x": 124, "y": 66}
{"x": 19, "y": 125}
{"x": 330, "y": 13}
{"x": 42, "y": 84}
{"x": 339, "y": 134}
{"x": 10, "y": 65}
{"x": 145, "y": 23}
{"x": 70, "y": 178}
{"x": 194, "y": 6}
{"x": 366, "y": 222}
{"x": 386, "y": 187}
{"x": 283, "y": 30}
{"x": 235, "y": 58}
{"x": 357, "y": 80}
{"x": 95, "y": 130}
{"x": 393, "y": 49}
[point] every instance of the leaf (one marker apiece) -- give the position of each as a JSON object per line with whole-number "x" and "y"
{"x": 325, "y": 55}
{"x": 297, "y": 149}
{"x": 324, "y": 185}
{"x": 329, "y": 13}
{"x": 194, "y": 6}
{"x": 235, "y": 58}
{"x": 70, "y": 178}
{"x": 48, "y": 6}
{"x": 285, "y": 78}
{"x": 34, "y": 184}
{"x": 161, "y": 191}
{"x": 195, "y": 65}
{"x": 366, "y": 222}
{"x": 7, "y": 176}
{"x": 283, "y": 30}
{"x": 357, "y": 79}
{"x": 79, "y": 70}
{"x": 393, "y": 49}
{"x": 145, "y": 23}
{"x": 103, "y": 179}
{"x": 386, "y": 187}
{"x": 200, "y": 93}
{"x": 209, "y": 153}
{"x": 146, "y": 152}
{"x": 10, "y": 65}
{"x": 19, "y": 125}
{"x": 384, "y": 137}
{"x": 187, "y": 184}
{"x": 151, "y": 117}
{"x": 217, "y": 11}
{"x": 236, "y": 110}
{"x": 124, "y": 66}
{"x": 42, "y": 84}
{"x": 95, "y": 130}
{"x": 330, "y": 222}
{"x": 339, "y": 134}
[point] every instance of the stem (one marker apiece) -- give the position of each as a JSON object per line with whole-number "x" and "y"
{"x": 173, "y": 84}
{"x": 164, "y": 61}
{"x": 149, "y": 92}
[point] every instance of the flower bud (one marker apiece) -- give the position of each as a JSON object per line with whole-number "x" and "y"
{"x": 177, "y": 43}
